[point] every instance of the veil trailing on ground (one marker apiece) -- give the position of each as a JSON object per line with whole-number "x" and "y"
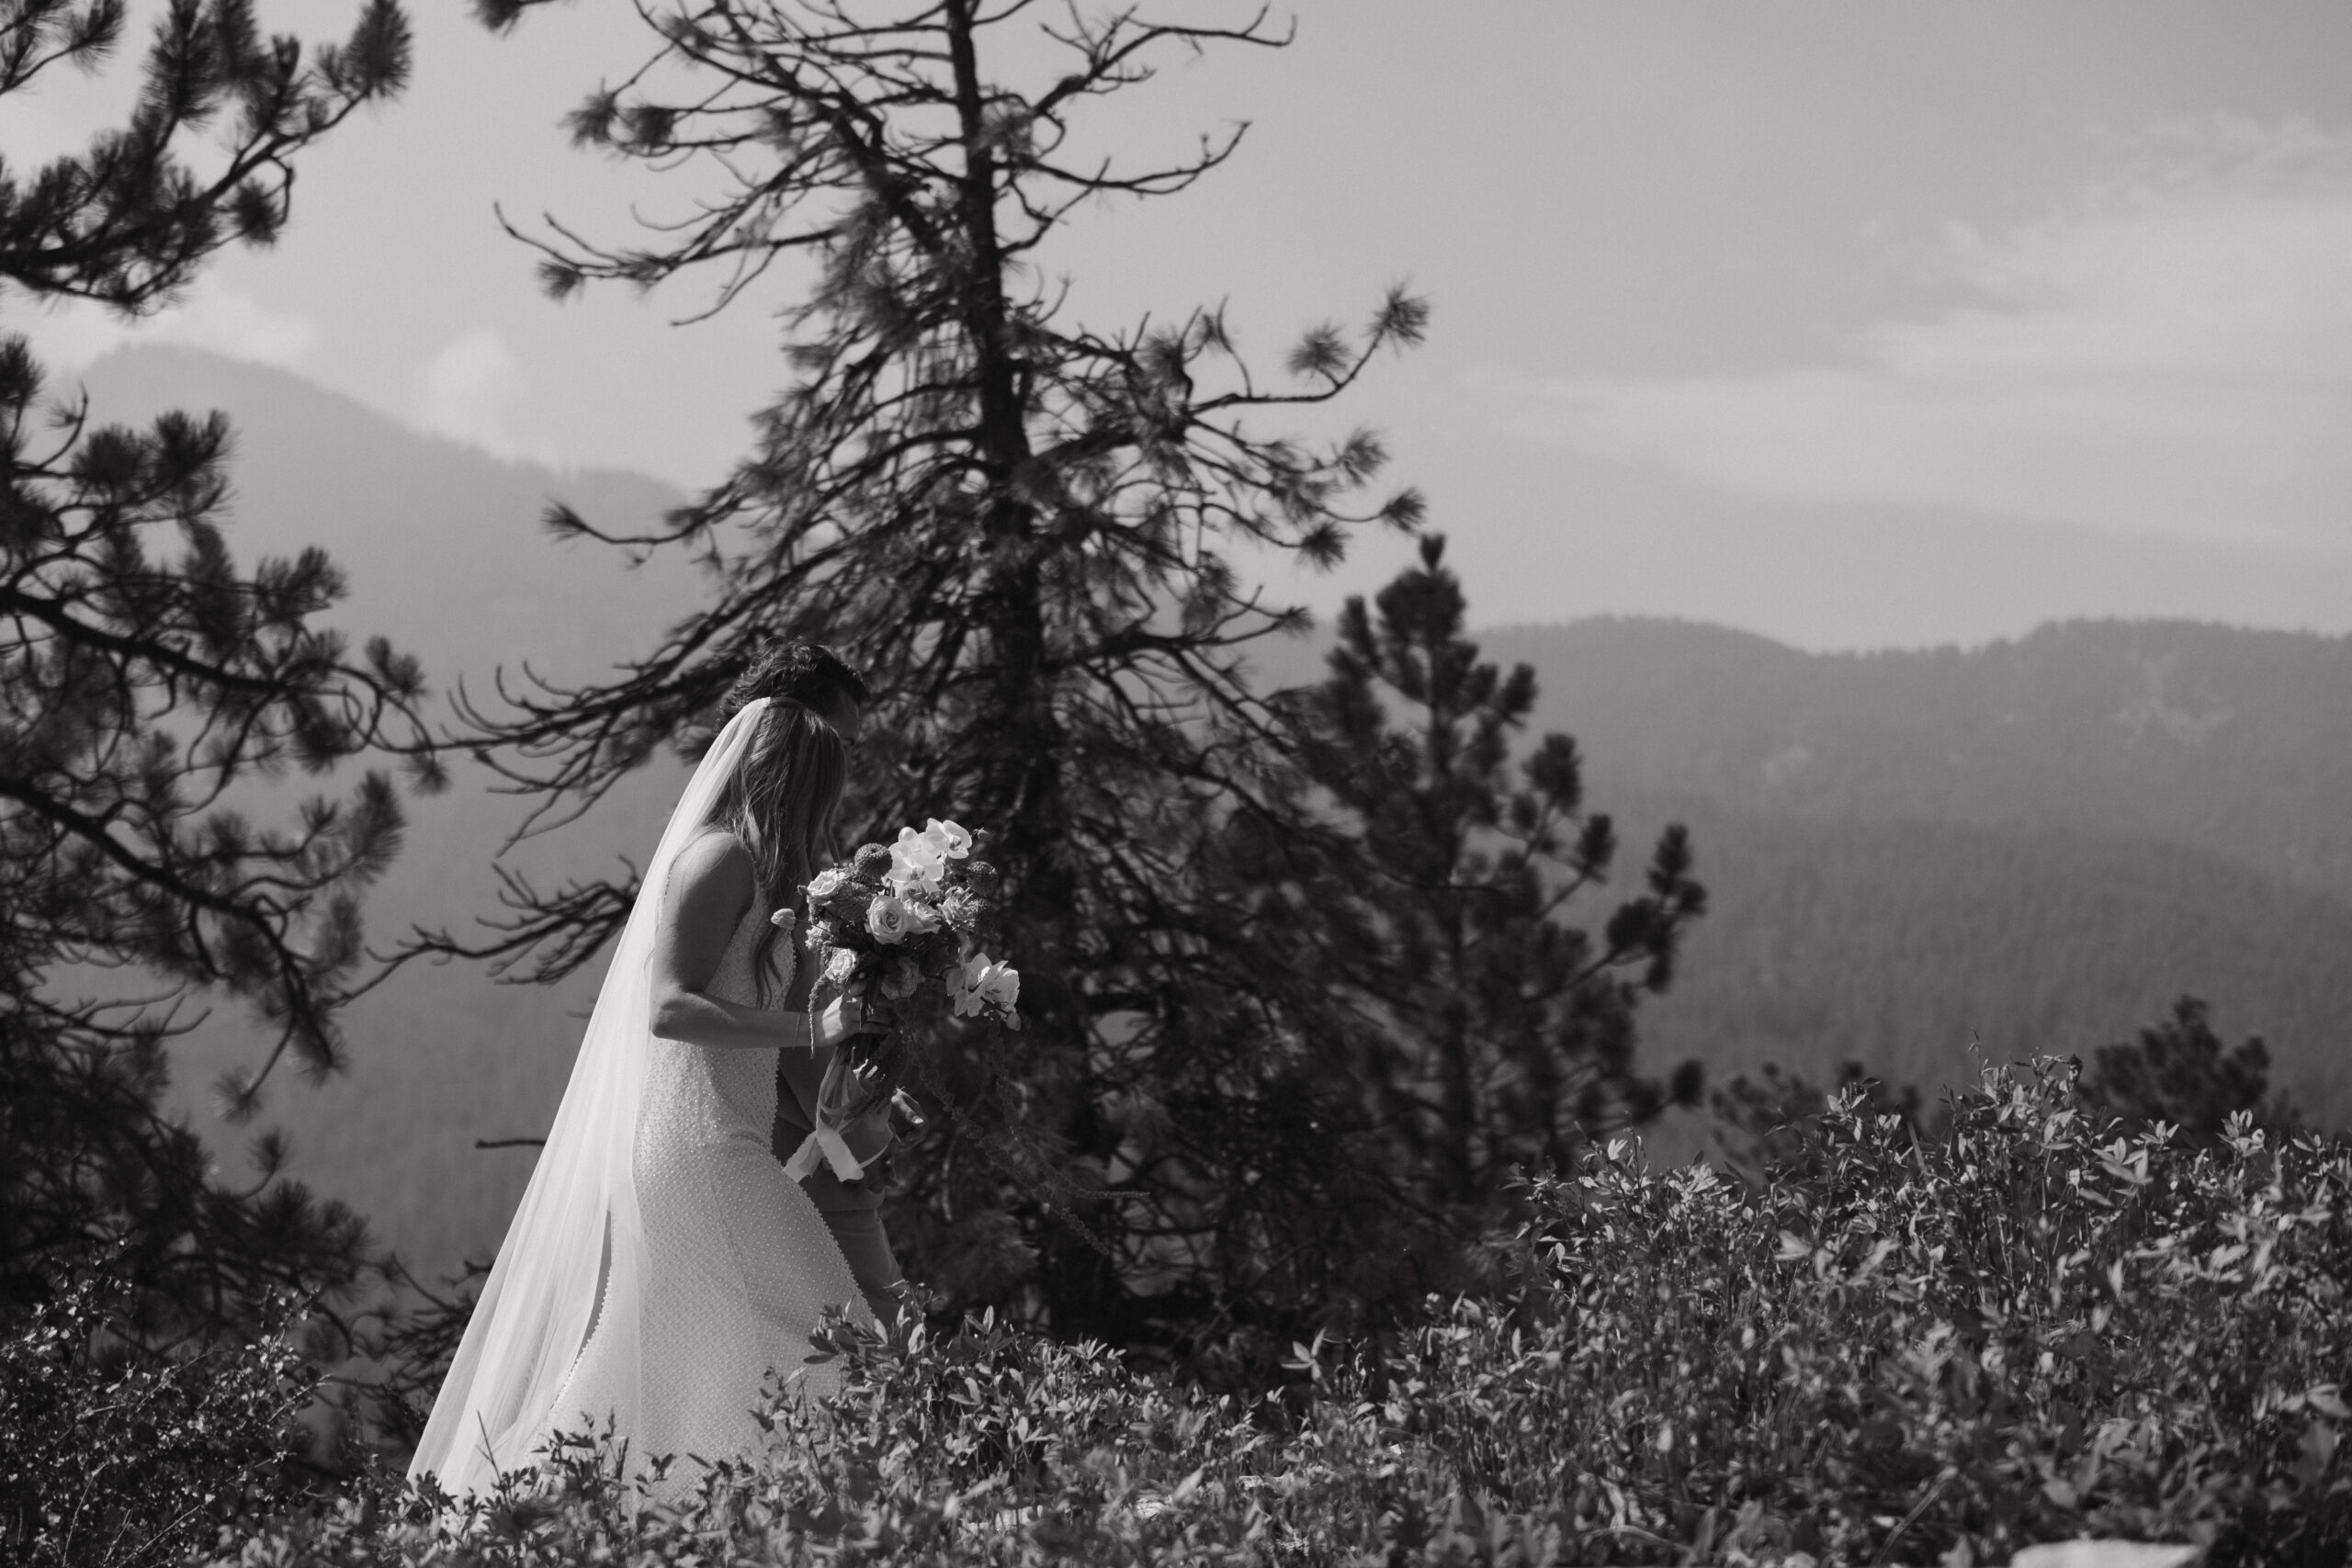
{"x": 578, "y": 1225}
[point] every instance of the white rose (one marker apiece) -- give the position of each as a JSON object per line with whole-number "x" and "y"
{"x": 887, "y": 919}
{"x": 827, "y": 883}
{"x": 840, "y": 966}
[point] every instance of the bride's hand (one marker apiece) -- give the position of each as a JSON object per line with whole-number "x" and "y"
{"x": 845, "y": 1016}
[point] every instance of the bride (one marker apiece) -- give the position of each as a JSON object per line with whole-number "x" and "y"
{"x": 662, "y": 1263}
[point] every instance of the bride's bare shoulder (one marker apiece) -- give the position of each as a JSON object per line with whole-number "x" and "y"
{"x": 713, "y": 865}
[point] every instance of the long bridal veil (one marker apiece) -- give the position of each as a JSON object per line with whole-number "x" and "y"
{"x": 578, "y": 1225}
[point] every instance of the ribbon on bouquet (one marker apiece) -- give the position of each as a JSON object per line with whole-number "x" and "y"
{"x": 835, "y": 1128}
{"x": 826, "y": 1144}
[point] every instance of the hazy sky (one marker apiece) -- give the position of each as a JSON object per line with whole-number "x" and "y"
{"x": 1853, "y": 324}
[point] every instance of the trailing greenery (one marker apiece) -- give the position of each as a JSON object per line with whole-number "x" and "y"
{"x": 2025, "y": 1328}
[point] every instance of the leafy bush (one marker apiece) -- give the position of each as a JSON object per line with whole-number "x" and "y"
{"x": 114, "y": 1452}
{"x": 1890, "y": 1349}
{"x": 2024, "y": 1330}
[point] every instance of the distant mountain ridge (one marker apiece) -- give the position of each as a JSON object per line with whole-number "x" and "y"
{"x": 2233, "y": 741}
{"x": 441, "y": 542}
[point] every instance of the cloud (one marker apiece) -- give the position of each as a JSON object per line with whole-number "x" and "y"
{"x": 476, "y": 392}
{"x": 69, "y": 336}
{"x": 2169, "y": 354}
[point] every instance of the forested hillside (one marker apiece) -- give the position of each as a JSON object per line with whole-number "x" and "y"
{"x": 2033, "y": 844}
{"x": 1903, "y": 944}
{"x": 2236, "y": 741}
{"x": 2029, "y": 846}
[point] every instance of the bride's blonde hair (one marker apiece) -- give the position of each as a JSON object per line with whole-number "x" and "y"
{"x": 779, "y": 804}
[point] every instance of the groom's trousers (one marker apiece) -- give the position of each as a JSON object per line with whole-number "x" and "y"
{"x": 852, "y": 1210}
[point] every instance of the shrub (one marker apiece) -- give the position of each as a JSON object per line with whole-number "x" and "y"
{"x": 115, "y": 1452}
{"x": 2022, "y": 1330}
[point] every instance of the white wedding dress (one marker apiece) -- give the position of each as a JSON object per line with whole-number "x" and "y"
{"x": 661, "y": 1262}
{"x": 740, "y": 1267}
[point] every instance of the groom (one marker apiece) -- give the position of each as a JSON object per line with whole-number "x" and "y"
{"x": 852, "y": 1210}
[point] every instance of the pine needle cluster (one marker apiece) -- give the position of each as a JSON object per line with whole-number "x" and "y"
{"x": 153, "y": 692}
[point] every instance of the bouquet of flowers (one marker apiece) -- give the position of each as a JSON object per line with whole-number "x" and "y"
{"x": 898, "y": 928}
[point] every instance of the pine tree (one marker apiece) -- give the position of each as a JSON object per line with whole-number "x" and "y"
{"x": 1489, "y": 1035}
{"x": 1021, "y": 528}
{"x": 148, "y": 687}
{"x": 2178, "y": 1071}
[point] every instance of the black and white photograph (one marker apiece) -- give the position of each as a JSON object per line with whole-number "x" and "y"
{"x": 1095, "y": 784}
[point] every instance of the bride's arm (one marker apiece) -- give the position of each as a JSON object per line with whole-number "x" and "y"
{"x": 709, "y": 888}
